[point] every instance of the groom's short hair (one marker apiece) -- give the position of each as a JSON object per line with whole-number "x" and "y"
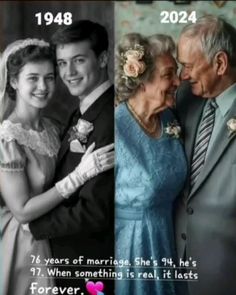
{"x": 83, "y": 30}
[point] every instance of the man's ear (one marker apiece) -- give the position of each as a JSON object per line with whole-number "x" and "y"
{"x": 103, "y": 59}
{"x": 221, "y": 62}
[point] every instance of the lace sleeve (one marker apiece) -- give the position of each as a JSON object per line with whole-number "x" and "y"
{"x": 45, "y": 142}
{"x": 12, "y": 157}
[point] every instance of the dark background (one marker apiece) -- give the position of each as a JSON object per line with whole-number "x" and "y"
{"x": 18, "y": 21}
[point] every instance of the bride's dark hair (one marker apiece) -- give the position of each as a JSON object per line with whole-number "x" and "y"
{"x": 15, "y": 62}
{"x": 21, "y": 57}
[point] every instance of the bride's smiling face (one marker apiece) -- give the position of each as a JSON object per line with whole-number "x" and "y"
{"x": 35, "y": 83}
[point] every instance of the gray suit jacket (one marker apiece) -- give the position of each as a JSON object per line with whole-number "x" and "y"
{"x": 206, "y": 217}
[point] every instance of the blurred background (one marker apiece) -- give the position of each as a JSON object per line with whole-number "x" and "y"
{"x": 144, "y": 16}
{"x": 18, "y": 21}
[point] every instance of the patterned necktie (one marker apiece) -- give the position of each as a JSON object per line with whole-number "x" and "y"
{"x": 202, "y": 141}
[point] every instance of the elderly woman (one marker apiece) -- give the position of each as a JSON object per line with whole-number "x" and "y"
{"x": 150, "y": 163}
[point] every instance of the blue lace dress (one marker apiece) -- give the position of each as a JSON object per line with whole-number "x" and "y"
{"x": 150, "y": 173}
{"x": 34, "y": 153}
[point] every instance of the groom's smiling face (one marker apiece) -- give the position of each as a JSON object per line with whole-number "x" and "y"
{"x": 79, "y": 67}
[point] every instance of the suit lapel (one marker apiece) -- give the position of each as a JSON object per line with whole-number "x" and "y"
{"x": 221, "y": 143}
{"x": 90, "y": 115}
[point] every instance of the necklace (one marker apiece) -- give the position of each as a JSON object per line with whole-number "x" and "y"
{"x": 149, "y": 130}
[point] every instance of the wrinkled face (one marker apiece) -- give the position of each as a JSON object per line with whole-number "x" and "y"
{"x": 35, "y": 84}
{"x": 196, "y": 69}
{"x": 165, "y": 81}
{"x": 79, "y": 68}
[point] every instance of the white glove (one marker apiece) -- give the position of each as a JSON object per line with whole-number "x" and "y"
{"x": 95, "y": 162}
{"x": 92, "y": 163}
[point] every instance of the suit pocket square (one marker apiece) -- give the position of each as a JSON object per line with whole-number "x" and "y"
{"x": 77, "y": 147}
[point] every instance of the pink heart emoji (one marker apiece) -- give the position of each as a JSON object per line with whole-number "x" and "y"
{"x": 94, "y": 288}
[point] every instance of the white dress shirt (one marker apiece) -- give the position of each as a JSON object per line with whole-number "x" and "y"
{"x": 86, "y": 102}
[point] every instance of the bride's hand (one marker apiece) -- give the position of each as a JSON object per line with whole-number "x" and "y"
{"x": 92, "y": 163}
{"x": 95, "y": 162}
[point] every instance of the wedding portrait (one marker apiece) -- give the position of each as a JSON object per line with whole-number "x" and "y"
{"x": 56, "y": 144}
{"x": 117, "y": 147}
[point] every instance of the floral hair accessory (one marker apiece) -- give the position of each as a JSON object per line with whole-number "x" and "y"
{"x": 173, "y": 129}
{"x": 136, "y": 53}
{"x": 232, "y": 126}
{"x": 81, "y": 131}
{"x": 133, "y": 65}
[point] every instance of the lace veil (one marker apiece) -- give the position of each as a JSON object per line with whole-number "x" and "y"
{"x": 11, "y": 49}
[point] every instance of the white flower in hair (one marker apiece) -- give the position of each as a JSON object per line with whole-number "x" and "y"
{"x": 136, "y": 53}
{"x": 133, "y": 68}
{"x": 133, "y": 65}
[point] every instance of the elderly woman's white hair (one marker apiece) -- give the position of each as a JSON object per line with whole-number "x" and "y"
{"x": 154, "y": 46}
{"x": 161, "y": 44}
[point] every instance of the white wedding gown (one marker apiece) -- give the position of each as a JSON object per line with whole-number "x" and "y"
{"x": 35, "y": 153}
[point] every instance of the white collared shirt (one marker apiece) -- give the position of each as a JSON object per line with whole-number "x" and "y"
{"x": 93, "y": 96}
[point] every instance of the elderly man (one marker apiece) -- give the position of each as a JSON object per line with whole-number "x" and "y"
{"x": 206, "y": 104}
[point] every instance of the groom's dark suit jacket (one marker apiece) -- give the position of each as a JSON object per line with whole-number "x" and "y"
{"x": 206, "y": 216}
{"x": 83, "y": 224}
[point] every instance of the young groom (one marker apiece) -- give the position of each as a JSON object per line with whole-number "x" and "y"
{"x": 82, "y": 226}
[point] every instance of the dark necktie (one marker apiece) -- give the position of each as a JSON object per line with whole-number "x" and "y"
{"x": 202, "y": 141}
{"x": 75, "y": 117}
